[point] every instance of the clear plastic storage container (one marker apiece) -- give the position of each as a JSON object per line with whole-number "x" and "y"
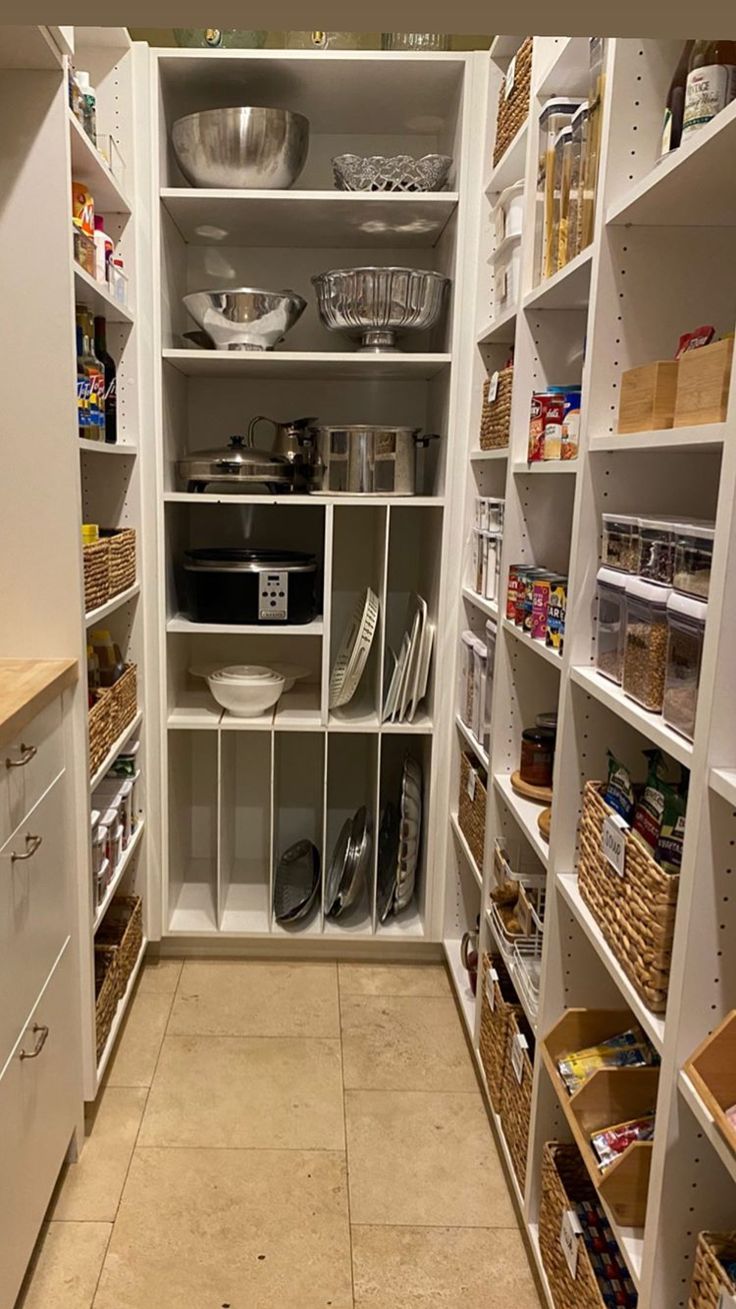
{"x": 611, "y": 625}
{"x": 563, "y": 171}
{"x": 480, "y": 666}
{"x": 507, "y": 276}
{"x": 693, "y": 558}
{"x": 579, "y": 127}
{"x": 620, "y": 542}
{"x": 686, "y": 623}
{"x": 491, "y": 648}
{"x": 657, "y": 553}
{"x": 555, "y": 115}
{"x": 467, "y": 668}
{"x": 508, "y": 213}
{"x": 645, "y": 649}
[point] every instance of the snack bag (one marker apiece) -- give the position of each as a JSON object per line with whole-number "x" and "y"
{"x": 650, "y": 807}
{"x": 619, "y": 791}
{"x": 610, "y": 1142}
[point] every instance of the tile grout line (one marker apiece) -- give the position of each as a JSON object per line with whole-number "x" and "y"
{"x": 345, "y": 1130}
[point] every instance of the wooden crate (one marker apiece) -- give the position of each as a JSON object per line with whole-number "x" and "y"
{"x": 612, "y": 1095}
{"x": 712, "y": 1071}
{"x": 702, "y": 384}
{"x": 648, "y": 397}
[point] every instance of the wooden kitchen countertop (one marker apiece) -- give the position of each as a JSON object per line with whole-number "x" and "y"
{"x": 27, "y": 686}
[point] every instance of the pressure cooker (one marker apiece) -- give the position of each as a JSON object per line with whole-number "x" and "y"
{"x": 251, "y": 586}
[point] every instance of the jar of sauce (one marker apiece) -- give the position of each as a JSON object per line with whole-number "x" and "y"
{"x": 537, "y": 756}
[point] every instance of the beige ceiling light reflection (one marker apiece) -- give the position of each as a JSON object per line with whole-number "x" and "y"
{"x": 211, "y": 233}
{"x": 216, "y": 263}
{"x": 374, "y": 226}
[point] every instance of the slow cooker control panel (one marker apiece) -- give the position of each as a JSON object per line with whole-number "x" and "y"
{"x": 273, "y": 597}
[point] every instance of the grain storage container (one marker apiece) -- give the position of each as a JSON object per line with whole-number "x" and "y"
{"x": 686, "y": 626}
{"x": 579, "y": 127}
{"x": 555, "y": 115}
{"x": 693, "y": 558}
{"x": 508, "y": 214}
{"x": 467, "y": 667}
{"x": 620, "y": 542}
{"x": 657, "y": 556}
{"x": 645, "y": 649}
{"x": 611, "y": 623}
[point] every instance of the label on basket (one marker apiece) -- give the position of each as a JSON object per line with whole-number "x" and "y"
{"x": 491, "y": 977}
{"x": 726, "y": 1300}
{"x": 570, "y": 1230}
{"x": 510, "y": 77}
{"x": 470, "y": 788}
{"x": 492, "y": 387}
{"x": 518, "y": 1046}
{"x": 613, "y": 842}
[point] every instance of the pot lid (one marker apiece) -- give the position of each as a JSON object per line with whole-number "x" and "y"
{"x": 249, "y": 559}
{"x": 237, "y": 455}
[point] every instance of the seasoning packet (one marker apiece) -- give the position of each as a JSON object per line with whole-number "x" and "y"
{"x": 672, "y": 831}
{"x": 650, "y": 806}
{"x": 610, "y": 1142}
{"x": 619, "y": 792}
{"x": 629, "y": 1049}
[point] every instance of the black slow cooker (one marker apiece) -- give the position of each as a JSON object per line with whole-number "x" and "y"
{"x": 241, "y": 586}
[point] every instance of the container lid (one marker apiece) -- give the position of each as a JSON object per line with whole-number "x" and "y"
{"x": 627, "y": 519}
{"x": 564, "y": 135}
{"x": 610, "y": 577}
{"x": 481, "y": 648}
{"x": 224, "y": 559}
{"x": 510, "y": 192}
{"x": 540, "y": 735}
{"x": 127, "y": 788}
{"x": 548, "y": 721}
{"x": 658, "y": 524}
{"x": 468, "y": 637}
{"x": 581, "y": 112}
{"x": 94, "y": 817}
{"x": 565, "y": 390}
{"x": 109, "y": 818}
{"x": 688, "y": 607}
{"x": 651, "y": 591}
{"x": 697, "y": 530}
{"x": 491, "y": 630}
{"x": 559, "y": 105}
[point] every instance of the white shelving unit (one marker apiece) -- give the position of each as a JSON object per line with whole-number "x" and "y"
{"x": 661, "y": 238}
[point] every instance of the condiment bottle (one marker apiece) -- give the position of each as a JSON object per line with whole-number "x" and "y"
{"x": 711, "y": 83}
{"x": 675, "y": 105}
{"x": 110, "y": 393}
{"x": 89, "y": 105}
{"x": 104, "y": 249}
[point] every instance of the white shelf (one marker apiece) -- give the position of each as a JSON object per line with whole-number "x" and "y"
{"x": 195, "y": 711}
{"x": 480, "y": 456}
{"x": 653, "y": 1024}
{"x": 114, "y": 750}
{"x": 88, "y": 166}
{"x": 694, "y": 186}
{"x": 510, "y": 167}
{"x": 707, "y": 1123}
{"x": 421, "y": 726}
{"x": 30, "y": 48}
{"x": 119, "y": 874}
{"x": 488, "y": 607}
{"x": 500, "y": 330}
{"x": 260, "y": 723}
{"x": 526, "y": 813}
{"x": 460, "y": 985}
{"x": 707, "y": 436}
{"x": 128, "y": 448}
{"x": 314, "y": 498}
{"x": 568, "y": 288}
{"x": 96, "y": 297}
{"x": 723, "y": 782}
{"x": 568, "y": 71}
{"x": 109, "y": 607}
{"x": 308, "y": 365}
{"x": 194, "y": 912}
{"x": 650, "y": 725}
{"x": 544, "y": 468}
{"x": 474, "y": 744}
{"x": 120, "y": 1013}
{"x": 299, "y": 710}
{"x": 552, "y": 657}
{"x": 181, "y": 623}
{"x": 467, "y": 852}
{"x": 407, "y": 925}
{"x": 331, "y": 219}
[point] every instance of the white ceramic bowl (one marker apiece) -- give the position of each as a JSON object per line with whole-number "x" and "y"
{"x": 247, "y": 699}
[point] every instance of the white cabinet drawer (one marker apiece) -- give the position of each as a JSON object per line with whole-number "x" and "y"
{"x": 29, "y": 765}
{"x": 39, "y": 1098}
{"x": 34, "y": 909}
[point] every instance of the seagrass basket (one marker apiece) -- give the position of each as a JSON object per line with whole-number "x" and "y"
{"x": 495, "y": 418}
{"x": 709, "y": 1275}
{"x": 565, "y": 1182}
{"x": 513, "y": 100}
{"x": 472, "y": 806}
{"x": 516, "y": 1094}
{"x": 494, "y": 1023}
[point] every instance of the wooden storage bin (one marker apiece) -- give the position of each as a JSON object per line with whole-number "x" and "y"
{"x": 648, "y": 397}
{"x": 513, "y": 104}
{"x": 96, "y": 568}
{"x": 610, "y": 1096}
{"x": 709, "y": 1275}
{"x": 497, "y": 1003}
{"x": 495, "y": 419}
{"x": 712, "y": 1071}
{"x": 565, "y": 1183}
{"x": 121, "y": 545}
{"x": 516, "y": 1091}
{"x": 703, "y": 380}
{"x": 636, "y": 913}
{"x": 472, "y": 803}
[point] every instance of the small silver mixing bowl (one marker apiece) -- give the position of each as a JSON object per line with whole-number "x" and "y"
{"x": 246, "y": 148}
{"x": 245, "y": 318}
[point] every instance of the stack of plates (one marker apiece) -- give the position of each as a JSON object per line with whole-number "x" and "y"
{"x": 349, "y": 864}
{"x": 399, "y": 843}
{"x": 405, "y": 676}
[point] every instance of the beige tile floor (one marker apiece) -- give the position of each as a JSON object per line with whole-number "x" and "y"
{"x": 272, "y": 1135}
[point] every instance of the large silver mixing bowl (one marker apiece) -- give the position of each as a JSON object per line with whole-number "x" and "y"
{"x": 378, "y": 303}
{"x": 244, "y": 147}
{"x": 245, "y": 318}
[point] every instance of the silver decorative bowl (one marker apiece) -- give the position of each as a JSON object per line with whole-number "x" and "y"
{"x": 248, "y": 148}
{"x": 245, "y": 318}
{"x": 391, "y": 172}
{"x": 379, "y": 303}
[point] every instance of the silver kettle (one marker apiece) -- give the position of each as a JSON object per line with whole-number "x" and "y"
{"x": 294, "y": 442}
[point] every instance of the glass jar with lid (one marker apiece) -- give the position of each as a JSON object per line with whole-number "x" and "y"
{"x": 645, "y": 646}
{"x": 537, "y": 756}
{"x": 686, "y": 626}
{"x": 620, "y": 542}
{"x": 693, "y": 558}
{"x": 611, "y": 623}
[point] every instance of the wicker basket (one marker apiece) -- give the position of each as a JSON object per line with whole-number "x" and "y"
{"x": 636, "y": 913}
{"x": 121, "y": 545}
{"x": 107, "y": 992}
{"x": 96, "y": 563}
{"x": 472, "y": 811}
{"x": 709, "y": 1275}
{"x": 516, "y": 1096}
{"x": 495, "y": 419}
{"x": 565, "y": 1182}
{"x": 494, "y": 1024}
{"x": 125, "y": 699}
{"x": 100, "y": 729}
{"x": 513, "y": 108}
{"x": 122, "y": 928}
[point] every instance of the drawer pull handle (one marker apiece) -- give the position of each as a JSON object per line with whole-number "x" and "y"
{"x": 41, "y": 1034}
{"x": 32, "y": 845}
{"x": 28, "y": 752}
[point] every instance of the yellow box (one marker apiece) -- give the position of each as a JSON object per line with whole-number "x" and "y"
{"x": 702, "y": 384}
{"x": 648, "y": 397}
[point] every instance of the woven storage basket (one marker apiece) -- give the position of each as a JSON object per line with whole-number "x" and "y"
{"x": 495, "y": 419}
{"x": 516, "y": 1096}
{"x": 100, "y": 729}
{"x": 513, "y": 108}
{"x": 122, "y": 929}
{"x": 106, "y": 992}
{"x": 96, "y": 563}
{"x": 565, "y": 1182}
{"x": 121, "y": 545}
{"x": 636, "y": 913}
{"x": 124, "y": 700}
{"x": 494, "y": 1024}
{"x": 472, "y": 812}
{"x": 709, "y": 1275}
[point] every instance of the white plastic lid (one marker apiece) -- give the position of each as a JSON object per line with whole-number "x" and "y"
{"x": 491, "y": 630}
{"x": 94, "y": 817}
{"x": 110, "y": 818}
{"x": 658, "y": 524}
{"x": 689, "y": 607}
{"x": 560, "y": 104}
{"x": 481, "y": 649}
{"x": 610, "y": 577}
{"x": 621, "y": 518}
{"x": 579, "y": 112}
{"x": 511, "y": 192}
{"x": 564, "y": 134}
{"x": 651, "y": 591}
{"x": 697, "y": 529}
{"x": 468, "y": 637}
